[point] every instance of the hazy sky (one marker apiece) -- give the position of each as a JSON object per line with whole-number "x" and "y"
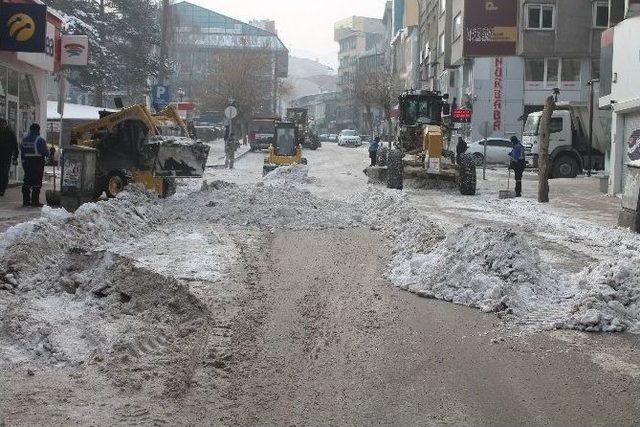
{"x": 305, "y": 26}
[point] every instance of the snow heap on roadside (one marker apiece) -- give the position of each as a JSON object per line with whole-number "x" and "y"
{"x": 609, "y": 297}
{"x": 496, "y": 270}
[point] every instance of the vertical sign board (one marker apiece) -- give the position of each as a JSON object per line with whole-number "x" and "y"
{"x": 490, "y": 27}
{"x": 498, "y": 93}
{"x": 23, "y": 27}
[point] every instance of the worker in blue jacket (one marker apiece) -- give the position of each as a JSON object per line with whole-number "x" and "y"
{"x": 518, "y": 163}
{"x": 373, "y": 150}
{"x": 33, "y": 151}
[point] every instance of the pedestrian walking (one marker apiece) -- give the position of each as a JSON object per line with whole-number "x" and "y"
{"x": 230, "y": 146}
{"x": 461, "y": 148}
{"x": 373, "y": 150}
{"x": 8, "y": 154}
{"x": 518, "y": 163}
{"x": 33, "y": 151}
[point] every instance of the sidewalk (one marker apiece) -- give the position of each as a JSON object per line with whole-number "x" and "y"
{"x": 11, "y": 210}
{"x": 216, "y": 155}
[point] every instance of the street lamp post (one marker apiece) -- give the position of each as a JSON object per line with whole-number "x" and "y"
{"x": 591, "y": 85}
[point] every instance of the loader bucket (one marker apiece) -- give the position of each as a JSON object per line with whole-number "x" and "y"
{"x": 176, "y": 157}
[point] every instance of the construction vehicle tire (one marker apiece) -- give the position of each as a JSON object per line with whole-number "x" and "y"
{"x": 395, "y": 170}
{"x": 170, "y": 186}
{"x": 117, "y": 180}
{"x": 467, "y": 179}
{"x": 382, "y": 156}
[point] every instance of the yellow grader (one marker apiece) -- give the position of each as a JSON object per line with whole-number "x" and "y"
{"x": 421, "y": 148}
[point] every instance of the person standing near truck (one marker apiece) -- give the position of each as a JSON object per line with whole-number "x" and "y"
{"x": 518, "y": 163}
{"x": 373, "y": 150}
{"x": 34, "y": 151}
{"x": 8, "y": 154}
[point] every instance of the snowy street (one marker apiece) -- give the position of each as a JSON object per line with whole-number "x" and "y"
{"x": 283, "y": 301}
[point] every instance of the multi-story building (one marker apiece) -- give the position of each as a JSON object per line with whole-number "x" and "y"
{"x": 356, "y": 36}
{"x": 203, "y": 36}
{"x": 322, "y": 109}
{"x": 556, "y": 46}
{"x": 405, "y": 50}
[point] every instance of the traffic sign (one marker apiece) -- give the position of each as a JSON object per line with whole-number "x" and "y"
{"x": 231, "y": 112}
{"x": 161, "y": 95}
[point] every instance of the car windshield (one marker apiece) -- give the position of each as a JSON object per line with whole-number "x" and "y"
{"x": 531, "y": 126}
{"x": 349, "y": 133}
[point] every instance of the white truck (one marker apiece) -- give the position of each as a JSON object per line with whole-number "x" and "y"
{"x": 569, "y": 141}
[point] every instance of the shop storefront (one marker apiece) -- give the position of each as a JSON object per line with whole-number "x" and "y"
{"x": 23, "y": 82}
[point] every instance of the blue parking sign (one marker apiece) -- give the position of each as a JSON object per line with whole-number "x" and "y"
{"x": 161, "y": 95}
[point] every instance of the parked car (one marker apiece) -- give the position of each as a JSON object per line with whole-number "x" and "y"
{"x": 333, "y": 138}
{"x": 349, "y": 137}
{"x": 498, "y": 150}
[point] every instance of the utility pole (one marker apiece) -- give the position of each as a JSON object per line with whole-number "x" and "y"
{"x": 591, "y": 113}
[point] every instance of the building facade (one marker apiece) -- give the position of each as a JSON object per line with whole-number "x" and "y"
{"x": 557, "y": 48}
{"x": 202, "y": 36}
{"x": 356, "y": 36}
{"x": 24, "y": 81}
{"x": 322, "y": 109}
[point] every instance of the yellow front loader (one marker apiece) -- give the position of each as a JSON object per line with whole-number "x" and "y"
{"x": 136, "y": 146}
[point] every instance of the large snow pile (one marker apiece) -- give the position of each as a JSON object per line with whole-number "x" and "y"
{"x": 289, "y": 175}
{"x": 609, "y": 297}
{"x": 497, "y": 270}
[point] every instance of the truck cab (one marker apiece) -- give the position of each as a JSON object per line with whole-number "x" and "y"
{"x": 569, "y": 140}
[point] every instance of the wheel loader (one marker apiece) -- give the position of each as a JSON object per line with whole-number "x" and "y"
{"x": 421, "y": 148}
{"x": 136, "y": 146}
{"x": 285, "y": 149}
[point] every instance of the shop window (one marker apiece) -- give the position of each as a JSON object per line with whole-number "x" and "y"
{"x": 571, "y": 70}
{"x": 534, "y": 70}
{"x": 540, "y": 17}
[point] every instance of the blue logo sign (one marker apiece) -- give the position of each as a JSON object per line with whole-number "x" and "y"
{"x": 23, "y": 27}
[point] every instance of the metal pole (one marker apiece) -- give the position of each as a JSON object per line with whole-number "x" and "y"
{"x": 591, "y": 108}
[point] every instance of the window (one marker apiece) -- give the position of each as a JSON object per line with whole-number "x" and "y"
{"x": 452, "y": 78}
{"x": 540, "y": 17}
{"x": 441, "y": 44}
{"x": 571, "y": 70}
{"x": 457, "y": 26}
{"x": 556, "y": 125}
{"x": 552, "y": 72}
{"x": 534, "y": 70}
{"x": 600, "y": 14}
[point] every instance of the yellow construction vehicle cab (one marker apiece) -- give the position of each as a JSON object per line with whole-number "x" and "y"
{"x": 285, "y": 150}
{"x": 420, "y": 148}
{"x": 136, "y": 146}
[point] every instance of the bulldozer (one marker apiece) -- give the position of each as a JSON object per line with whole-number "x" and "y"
{"x": 136, "y": 146}
{"x": 285, "y": 149}
{"x": 304, "y": 136}
{"x": 421, "y": 149}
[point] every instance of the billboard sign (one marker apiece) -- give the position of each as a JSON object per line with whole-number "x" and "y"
{"x": 461, "y": 115}
{"x": 490, "y": 27}
{"x": 75, "y": 50}
{"x": 23, "y": 27}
